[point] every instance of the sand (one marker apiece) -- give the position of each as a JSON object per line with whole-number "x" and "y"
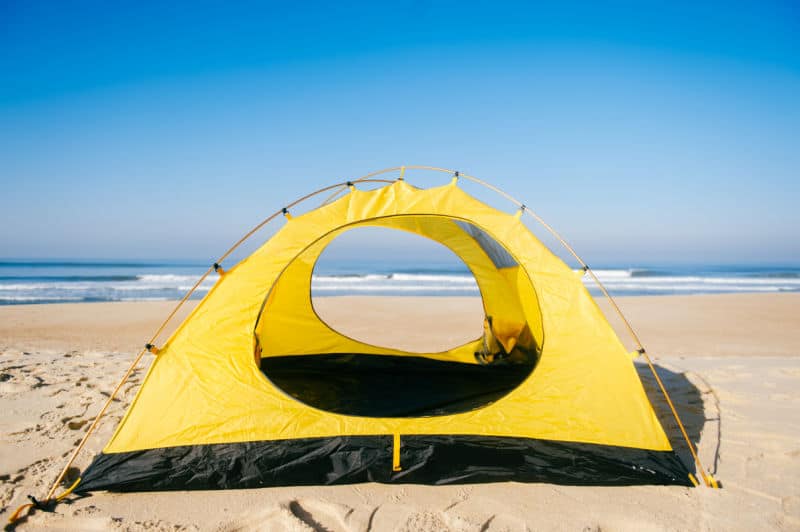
{"x": 732, "y": 363}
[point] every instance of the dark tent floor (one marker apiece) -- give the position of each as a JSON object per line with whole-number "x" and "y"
{"x": 391, "y": 386}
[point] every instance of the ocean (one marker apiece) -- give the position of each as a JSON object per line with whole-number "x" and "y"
{"x": 27, "y": 282}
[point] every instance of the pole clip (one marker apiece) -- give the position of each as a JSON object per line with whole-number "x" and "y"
{"x": 402, "y": 173}
{"x": 350, "y": 185}
{"x": 151, "y": 348}
{"x": 218, "y": 269}
{"x": 286, "y": 213}
{"x": 456, "y": 174}
{"x": 641, "y": 351}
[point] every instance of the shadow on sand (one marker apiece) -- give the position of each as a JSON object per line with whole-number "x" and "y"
{"x": 688, "y": 401}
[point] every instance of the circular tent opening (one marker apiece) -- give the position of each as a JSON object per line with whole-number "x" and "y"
{"x": 393, "y": 288}
{"x": 310, "y": 360}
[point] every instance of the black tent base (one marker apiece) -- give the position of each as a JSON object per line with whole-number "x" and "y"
{"x": 345, "y": 460}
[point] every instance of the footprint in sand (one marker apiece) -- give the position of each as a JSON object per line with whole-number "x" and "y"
{"x": 479, "y": 513}
{"x": 321, "y": 515}
{"x": 302, "y": 515}
{"x": 36, "y": 472}
{"x": 76, "y": 425}
{"x": 277, "y": 519}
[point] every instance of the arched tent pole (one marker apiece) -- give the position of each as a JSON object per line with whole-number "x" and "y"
{"x": 150, "y": 347}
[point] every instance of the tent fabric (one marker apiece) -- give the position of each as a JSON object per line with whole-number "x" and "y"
{"x": 427, "y": 459}
{"x": 206, "y": 404}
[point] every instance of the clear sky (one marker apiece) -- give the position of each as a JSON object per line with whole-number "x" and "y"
{"x": 644, "y": 132}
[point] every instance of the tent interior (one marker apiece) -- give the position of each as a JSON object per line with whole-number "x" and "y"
{"x": 313, "y": 363}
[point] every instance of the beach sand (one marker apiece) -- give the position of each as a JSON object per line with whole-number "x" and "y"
{"x": 732, "y": 363}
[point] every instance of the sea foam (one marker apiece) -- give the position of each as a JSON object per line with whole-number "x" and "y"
{"x": 32, "y": 282}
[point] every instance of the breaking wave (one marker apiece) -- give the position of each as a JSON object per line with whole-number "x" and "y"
{"x": 31, "y": 282}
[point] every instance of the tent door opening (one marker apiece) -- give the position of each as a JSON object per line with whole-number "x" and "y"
{"x": 321, "y": 366}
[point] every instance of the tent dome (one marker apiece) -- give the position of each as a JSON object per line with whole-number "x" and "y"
{"x": 251, "y": 390}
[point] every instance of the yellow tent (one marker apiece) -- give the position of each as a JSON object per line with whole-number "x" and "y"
{"x": 255, "y": 389}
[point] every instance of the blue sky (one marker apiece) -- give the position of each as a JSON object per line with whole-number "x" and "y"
{"x": 644, "y": 132}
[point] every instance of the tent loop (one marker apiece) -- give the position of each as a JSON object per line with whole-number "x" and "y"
{"x": 151, "y": 348}
{"x": 218, "y": 269}
{"x": 286, "y": 213}
{"x": 402, "y": 173}
{"x": 351, "y": 186}
{"x": 396, "y": 452}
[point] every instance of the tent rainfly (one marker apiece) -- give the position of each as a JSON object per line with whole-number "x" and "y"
{"x": 254, "y": 389}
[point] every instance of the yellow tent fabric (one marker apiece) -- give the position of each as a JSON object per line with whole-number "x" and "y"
{"x": 206, "y": 389}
